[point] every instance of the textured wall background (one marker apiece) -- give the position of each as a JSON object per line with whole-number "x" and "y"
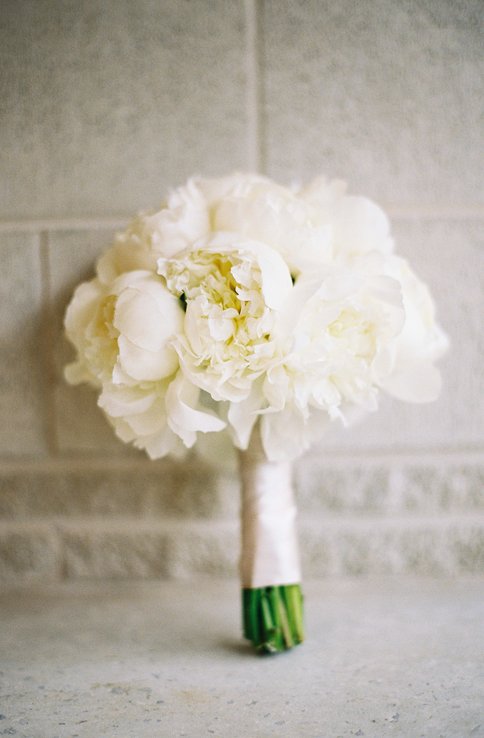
{"x": 104, "y": 105}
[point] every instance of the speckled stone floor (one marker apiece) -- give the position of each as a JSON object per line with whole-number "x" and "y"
{"x": 138, "y": 660}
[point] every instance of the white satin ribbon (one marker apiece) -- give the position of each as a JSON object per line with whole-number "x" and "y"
{"x": 270, "y": 553}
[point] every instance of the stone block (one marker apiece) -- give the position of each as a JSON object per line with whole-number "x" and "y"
{"x": 109, "y": 102}
{"x": 384, "y": 94}
{"x": 342, "y": 546}
{"x": 192, "y": 491}
{"x": 437, "y": 546}
{"x": 22, "y": 347}
{"x": 323, "y": 485}
{"x": 468, "y": 551}
{"x": 130, "y": 548}
{"x": 396, "y": 487}
{"x": 151, "y": 490}
{"x": 113, "y": 550}
{"x": 433, "y": 487}
{"x": 207, "y": 549}
{"x": 29, "y": 552}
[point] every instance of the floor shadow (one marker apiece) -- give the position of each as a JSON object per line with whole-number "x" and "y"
{"x": 239, "y": 648}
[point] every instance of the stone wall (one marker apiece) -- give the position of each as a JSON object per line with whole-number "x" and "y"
{"x": 104, "y": 106}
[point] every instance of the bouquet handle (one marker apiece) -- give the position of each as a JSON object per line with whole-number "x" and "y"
{"x": 270, "y": 575}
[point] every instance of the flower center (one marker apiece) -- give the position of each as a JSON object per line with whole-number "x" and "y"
{"x": 228, "y": 325}
{"x": 356, "y": 331}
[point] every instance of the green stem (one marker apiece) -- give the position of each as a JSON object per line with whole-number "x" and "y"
{"x": 273, "y": 617}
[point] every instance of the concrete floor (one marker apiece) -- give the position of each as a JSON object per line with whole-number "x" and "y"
{"x": 138, "y": 660}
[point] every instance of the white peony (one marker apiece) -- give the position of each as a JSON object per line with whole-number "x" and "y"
{"x": 233, "y": 290}
{"x": 260, "y": 302}
{"x": 357, "y": 225}
{"x": 122, "y": 331}
{"x": 334, "y": 332}
{"x": 268, "y": 213}
{"x": 123, "y": 334}
{"x": 348, "y": 335}
{"x": 421, "y": 342}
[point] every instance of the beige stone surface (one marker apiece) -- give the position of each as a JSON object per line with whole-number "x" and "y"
{"x": 194, "y": 490}
{"x": 385, "y": 94}
{"x": 437, "y": 545}
{"x": 23, "y": 353}
{"x": 152, "y": 490}
{"x": 29, "y": 552}
{"x": 430, "y": 485}
{"x": 383, "y": 658}
{"x": 113, "y": 550}
{"x": 124, "y": 547}
{"x": 107, "y": 104}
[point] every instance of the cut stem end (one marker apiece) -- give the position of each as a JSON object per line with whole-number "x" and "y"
{"x": 273, "y": 617}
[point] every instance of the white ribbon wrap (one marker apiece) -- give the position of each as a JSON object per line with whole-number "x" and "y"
{"x": 270, "y": 553}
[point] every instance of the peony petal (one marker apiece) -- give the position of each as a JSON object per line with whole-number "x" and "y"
{"x": 122, "y": 429}
{"x": 360, "y": 226}
{"x": 122, "y": 258}
{"x": 276, "y": 278}
{"x": 283, "y": 434}
{"x": 183, "y": 221}
{"x": 243, "y": 415}
{"x": 160, "y": 444}
{"x": 125, "y": 401}
{"x": 144, "y": 365}
{"x": 323, "y": 193}
{"x": 182, "y": 415}
{"x": 288, "y": 434}
{"x": 150, "y": 422}
{"x": 77, "y": 372}
{"x": 148, "y": 320}
{"x": 82, "y": 308}
{"x": 235, "y": 185}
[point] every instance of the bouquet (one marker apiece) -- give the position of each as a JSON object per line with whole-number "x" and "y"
{"x": 266, "y": 312}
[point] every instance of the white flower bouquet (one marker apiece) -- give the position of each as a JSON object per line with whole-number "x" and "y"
{"x": 265, "y": 311}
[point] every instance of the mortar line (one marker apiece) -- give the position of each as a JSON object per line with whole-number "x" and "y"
{"x": 396, "y": 212}
{"x": 61, "y": 464}
{"x": 412, "y": 211}
{"x": 47, "y": 347}
{"x": 403, "y": 453}
{"x": 261, "y": 100}
{"x": 176, "y": 524}
{"x": 63, "y": 224}
{"x": 251, "y": 87}
{"x": 255, "y": 132}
